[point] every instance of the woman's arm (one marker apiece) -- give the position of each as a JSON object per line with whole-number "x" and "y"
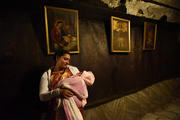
{"x": 44, "y": 93}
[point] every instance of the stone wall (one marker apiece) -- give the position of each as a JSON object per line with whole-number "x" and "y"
{"x": 153, "y": 10}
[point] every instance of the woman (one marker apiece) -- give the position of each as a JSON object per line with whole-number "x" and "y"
{"x": 47, "y": 90}
{"x": 57, "y": 34}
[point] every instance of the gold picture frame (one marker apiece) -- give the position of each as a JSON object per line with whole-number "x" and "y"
{"x": 120, "y": 35}
{"x": 150, "y": 32}
{"x": 62, "y": 29}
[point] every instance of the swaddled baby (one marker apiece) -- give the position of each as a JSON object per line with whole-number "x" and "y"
{"x": 78, "y": 85}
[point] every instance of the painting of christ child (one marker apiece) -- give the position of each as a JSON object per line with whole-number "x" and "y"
{"x": 62, "y": 30}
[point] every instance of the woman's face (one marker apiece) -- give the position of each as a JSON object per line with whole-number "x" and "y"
{"x": 63, "y": 61}
{"x": 59, "y": 25}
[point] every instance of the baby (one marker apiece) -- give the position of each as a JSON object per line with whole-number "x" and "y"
{"x": 78, "y": 85}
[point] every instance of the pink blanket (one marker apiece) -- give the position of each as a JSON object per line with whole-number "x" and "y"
{"x": 78, "y": 85}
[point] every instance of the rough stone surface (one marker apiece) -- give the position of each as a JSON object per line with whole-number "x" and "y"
{"x": 150, "y": 10}
{"x": 173, "y": 3}
{"x": 112, "y": 3}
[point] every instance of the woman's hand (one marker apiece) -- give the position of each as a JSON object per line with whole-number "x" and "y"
{"x": 65, "y": 93}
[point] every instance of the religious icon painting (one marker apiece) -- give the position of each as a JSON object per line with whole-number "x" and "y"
{"x": 120, "y": 35}
{"x": 62, "y": 29}
{"x": 150, "y": 31}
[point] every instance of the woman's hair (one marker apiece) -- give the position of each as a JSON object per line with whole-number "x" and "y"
{"x": 60, "y": 52}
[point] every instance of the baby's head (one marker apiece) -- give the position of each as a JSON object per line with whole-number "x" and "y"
{"x": 88, "y": 77}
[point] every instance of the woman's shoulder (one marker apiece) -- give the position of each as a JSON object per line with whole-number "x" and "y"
{"x": 47, "y": 71}
{"x": 73, "y": 69}
{"x": 71, "y": 66}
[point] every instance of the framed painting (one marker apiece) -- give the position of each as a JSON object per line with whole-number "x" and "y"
{"x": 120, "y": 35}
{"x": 62, "y": 29}
{"x": 150, "y": 31}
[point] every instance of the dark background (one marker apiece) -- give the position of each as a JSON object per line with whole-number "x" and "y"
{"x": 23, "y": 55}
